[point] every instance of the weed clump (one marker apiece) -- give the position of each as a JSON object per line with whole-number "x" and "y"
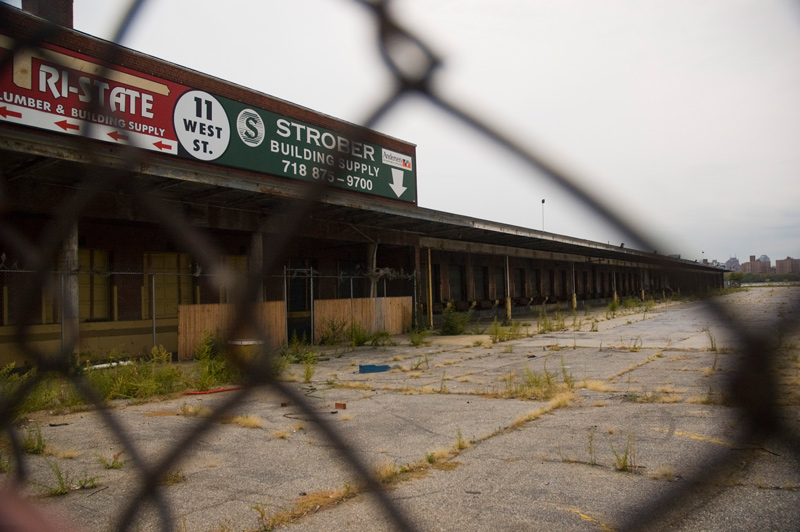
{"x": 382, "y": 338}
{"x": 454, "y": 322}
{"x": 419, "y": 338}
{"x": 63, "y": 484}
{"x": 115, "y": 462}
{"x": 334, "y": 332}
{"x": 357, "y": 334}
{"x": 212, "y": 364}
{"x": 543, "y": 322}
{"x": 34, "y": 442}
{"x": 500, "y": 333}
{"x": 173, "y": 478}
{"x": 531, "y": 384}
{"x": 612, "y": 308}
{"x": 625, "y": 459}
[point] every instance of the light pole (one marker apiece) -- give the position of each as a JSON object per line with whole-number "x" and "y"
{"x": 542, "y": 214}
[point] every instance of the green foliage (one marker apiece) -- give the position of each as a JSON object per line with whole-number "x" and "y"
{"x": 532, "y": 384}
{"x": 5, "y": 463}
{"x": 212, "y": 364}
{"x": 34, "y": 443}
{"x": 309, "y": 368}
{"x": 88, "y": 483}
{"x": 569, "y": 380}
{"x": 357, "y": 334}
{"x": 382, "y": 338}
{"x": 173, "y": 478}
{"x": 768, "y": 277}
{"x": 139, "y": 378}
{"x": 499, "y": 333}
{"x": 62, "y": 486}
{"x": 263, "y": 516}
{"x": 626, "y": 459}
{"x": 49, "y": 393}
{"x": 560, "y": 323}
{"x": 11, "y": 380}
{"x": 630, "y": 303}
{"x": 454, "y": 322}
{"x": 298, "y": 345}
{"x": 460, "y": 443}
{"x": 442, "y": 387}
{"x": 422, "y": 359}
{"x": 134, "y": 378}
{"x": 115, "y": 462}
{"x": 543, "y": 322}
{"x": 612, "y": 308}
{"x": 419, "y": 338}
{"x": 711, "y": 340}
{"x": 496, "y": 331}
{"x": 334, "y": 332}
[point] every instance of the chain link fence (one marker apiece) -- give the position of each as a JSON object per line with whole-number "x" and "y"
{"x": 53, "y": 298}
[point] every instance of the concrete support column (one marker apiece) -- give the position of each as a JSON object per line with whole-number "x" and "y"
{"x": 69, "y": 291}
{"x": 574, "y": 295}
{"x": 430, "y": 290}
{"x": 256, "y": 266}
{"x": 508, "y": 290}
{"x": 641, "y": 283}
{"x": 614, "y": 284}
{"x": 469, "y": 276}
{"x": 416, "y": 317}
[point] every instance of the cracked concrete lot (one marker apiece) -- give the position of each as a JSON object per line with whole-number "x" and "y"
{"x": 576, "y": 429}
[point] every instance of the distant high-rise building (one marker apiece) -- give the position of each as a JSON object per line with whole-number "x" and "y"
{"x": 762, "y": 265}
{"x": 787, "y": 265}
{"x": 733, "y": 264}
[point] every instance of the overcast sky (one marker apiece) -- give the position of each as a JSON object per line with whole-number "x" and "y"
{"x": 684, "y": 115}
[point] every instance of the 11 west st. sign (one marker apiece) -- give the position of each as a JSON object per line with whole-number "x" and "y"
{"x": 61, "y": 90}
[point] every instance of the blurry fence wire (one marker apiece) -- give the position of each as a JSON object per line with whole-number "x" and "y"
{"x": 752, "y": 389}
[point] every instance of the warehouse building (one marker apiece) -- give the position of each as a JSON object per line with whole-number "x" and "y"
{"x": 134, "y": 190}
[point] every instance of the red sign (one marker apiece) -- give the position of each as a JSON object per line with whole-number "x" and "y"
{"x": 60, "y": 90}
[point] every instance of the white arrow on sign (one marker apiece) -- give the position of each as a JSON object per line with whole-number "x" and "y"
{"x": 397, "y": 182}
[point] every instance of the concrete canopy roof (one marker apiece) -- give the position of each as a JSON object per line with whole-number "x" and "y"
{"x": 37, "y": 161}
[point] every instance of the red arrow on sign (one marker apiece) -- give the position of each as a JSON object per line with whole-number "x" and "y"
{"x": 67, "y": 126}
{"x": 161, "y": 146}
{"x": 6, "y": 113}
{"x": 116, "y": 135}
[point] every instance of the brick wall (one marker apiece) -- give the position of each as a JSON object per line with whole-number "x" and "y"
{"x": 56, "y": 11}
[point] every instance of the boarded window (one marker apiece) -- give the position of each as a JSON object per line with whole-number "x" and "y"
{"x": 457, "y": 283}
{"x": 481, "y": 276}
{"x": 519, "y": 282}
{"x": 94, "y": 294}
{"x": 167, "y": 284}
{"x": 500, "y": 283}
{"x": 436, "y": 274}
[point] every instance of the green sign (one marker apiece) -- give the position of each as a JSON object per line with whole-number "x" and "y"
{"x": 212, "y": 128}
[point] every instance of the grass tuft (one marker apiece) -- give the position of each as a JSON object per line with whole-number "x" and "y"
{"x": 115, "y": 462}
